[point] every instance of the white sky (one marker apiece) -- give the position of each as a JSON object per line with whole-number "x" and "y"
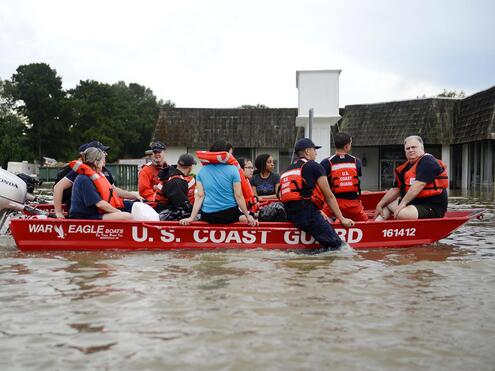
{"x": 220, "y": 53}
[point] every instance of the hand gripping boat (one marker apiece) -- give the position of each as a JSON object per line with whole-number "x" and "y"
{"x": 65, "y": 234}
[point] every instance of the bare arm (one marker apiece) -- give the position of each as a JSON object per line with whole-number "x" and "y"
{"x": 332, "y": 201}
{"x": 198, "y": 202}
{"x": 239, "y": 197}
{"x": 105, "y": 206}
{"x": 254, "y": 191}
{"x": 58, "y": 192}
{"x": 128, "y": 195}
{"x": 390, "y": 196}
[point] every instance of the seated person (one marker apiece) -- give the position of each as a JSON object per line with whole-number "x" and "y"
{"x": 178, "y": 189}
{"x": 91, "y": 189}
{"x": 265, "y": 182}
{"x": 148, "y": 182}
{"x": 420, "y": 189}
{"x": 343, "y": 172}
{"x": 219, "y": 193}
{"x": 247, "y": 166}
{"x": 62, "y": 190}
{"x": 304, "y": 190}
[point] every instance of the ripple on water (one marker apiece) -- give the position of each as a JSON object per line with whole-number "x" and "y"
{"x": 422, "y": 307}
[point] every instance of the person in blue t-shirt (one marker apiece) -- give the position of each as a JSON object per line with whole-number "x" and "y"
{"x": 219, "y": 193}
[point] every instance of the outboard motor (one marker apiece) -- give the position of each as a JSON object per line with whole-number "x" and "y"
{"x": 13, "y": 191}
{"x": 13, "y": 196}
{"x": 30, "y": 181}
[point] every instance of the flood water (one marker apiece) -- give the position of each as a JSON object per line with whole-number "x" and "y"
{"x": 408, "y": 309}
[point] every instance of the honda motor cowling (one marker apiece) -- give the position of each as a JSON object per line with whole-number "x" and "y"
{"x": 13, "y": 191}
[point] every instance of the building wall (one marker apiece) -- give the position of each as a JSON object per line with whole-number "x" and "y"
{"x": 371, "y": 171}
{"x": 477, "y": 168}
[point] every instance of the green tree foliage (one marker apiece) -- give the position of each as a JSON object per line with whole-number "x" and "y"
{"x": 119, "y": 115}
{"x": 167, "y": 104}
{"x": 13, "y": 143}
{"x": 37, "y": 89}
{"x": 39, "y": 118}
{"x": 452, "y": 94}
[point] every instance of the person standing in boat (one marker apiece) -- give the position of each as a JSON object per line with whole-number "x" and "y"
{"x": 62, "y": 190}
{"x": 178, "y": 188}
{"x": 93, "y": 197}
{"x": 420, "y": 189}
{"x": 304, "y": 190}
{"x": 343, "y": 172}
{"x": 148, "y": 182}
{"x": 265, "y": 182}
{"x": 219, "y": 193}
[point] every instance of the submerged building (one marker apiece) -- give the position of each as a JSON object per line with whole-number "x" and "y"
{"x": 461, "y": 132}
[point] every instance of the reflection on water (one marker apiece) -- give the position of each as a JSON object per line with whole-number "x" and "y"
{"x": 415, "y": 308}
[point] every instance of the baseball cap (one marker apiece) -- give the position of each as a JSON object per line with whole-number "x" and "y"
{"x": 94, "y": 144}
{"x": 158, "y": 146}
{"x": 304, "y": 143}
{"x": 186, "y": 160}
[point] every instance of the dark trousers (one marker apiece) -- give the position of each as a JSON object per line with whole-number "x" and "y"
{"x": 308, "y": 218}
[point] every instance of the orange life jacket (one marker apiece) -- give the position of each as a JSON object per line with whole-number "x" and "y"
{"x": 191, "y": 185}
{"x": 293, "y": 186}
{"x": 206, "y": 157}
{"x": 103, "y": 186}
{"x": 343, "y": 177}
{"x": 150, "y": 171}
{"x": 406, "y": 178}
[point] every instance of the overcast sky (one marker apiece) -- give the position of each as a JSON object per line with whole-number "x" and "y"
{"x": 228, "y": 53}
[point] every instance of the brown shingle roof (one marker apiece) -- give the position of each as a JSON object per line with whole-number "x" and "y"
{"x": 477, "y": 117}
{"x": 200, "y": 127}
{"x": 389, "y": 123}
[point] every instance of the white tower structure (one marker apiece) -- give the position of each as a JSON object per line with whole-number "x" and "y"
{"x": 318, "y": 106}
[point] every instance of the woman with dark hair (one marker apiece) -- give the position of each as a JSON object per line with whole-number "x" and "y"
{"x": 265, "y": 182}
{"x": 247, "y": 166}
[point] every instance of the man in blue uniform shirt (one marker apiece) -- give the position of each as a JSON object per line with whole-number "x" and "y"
{"x": 420, "y": 189}
{"x": 300, "y": 201}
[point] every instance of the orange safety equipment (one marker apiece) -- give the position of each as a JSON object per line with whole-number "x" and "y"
{"x": 191, "y": 185}
{"x": 147, "y": 180}
{"x": 103, "y": 186}
{"x": 206, "y": 158}
{"x": 293, "y": 186}
{"x": 343, "y": 177}
{"x": 407, "y": 176}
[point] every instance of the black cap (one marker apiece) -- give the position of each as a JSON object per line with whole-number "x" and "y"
{"x": 186, "y": 160}
{"x": 158, "y": 146}
{"x": 304, "y": 143}
{"x": 93, "y": 144}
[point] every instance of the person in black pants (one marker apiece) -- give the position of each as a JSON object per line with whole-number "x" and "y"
{"x": 304, "y": 190}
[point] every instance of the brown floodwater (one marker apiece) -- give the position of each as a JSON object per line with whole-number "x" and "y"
{"x": 409, "y": 309}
